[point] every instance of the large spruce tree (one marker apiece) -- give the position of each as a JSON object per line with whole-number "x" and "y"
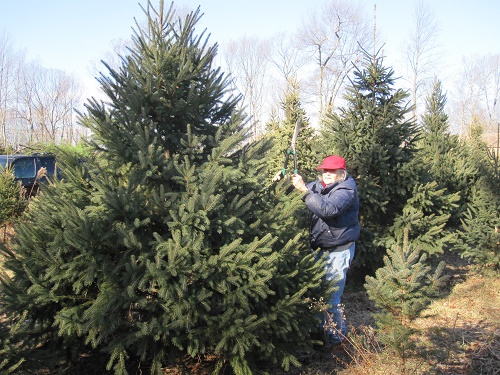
{"x": 433, "y": 204}
{"x": 165, "y": 241}
{"x": 376, "y": 136}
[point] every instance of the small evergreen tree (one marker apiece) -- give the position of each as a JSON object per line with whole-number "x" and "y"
{"x": 436, "y": 141}
{"x": 401, "y": 289}
{"x": 480, "y": 235}
{"x": 174, "y": 245}
{"x": 430, "y": 213}
{"x": 10, "y": 358}
{"x": 281, "y": 133}
{"x": 12, "y": 201}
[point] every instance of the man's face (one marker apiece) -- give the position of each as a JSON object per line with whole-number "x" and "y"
{"x": 331, "y": 175}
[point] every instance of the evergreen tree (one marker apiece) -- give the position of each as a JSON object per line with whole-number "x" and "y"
{"x": 6, "y": 367}
{"x": 375, "y": 136}
{"x": 435, "y": 196}
{"x": 435, "y": 125}
{"x": 165, "y": 241}
{"x": 281, "y": 133}
{"x": 12, "y": 201}
{"x": 481, "y": 225}
{"x": 480, "y": 237}
{"x": 442, "y": 156}
{"x": 402, "y": 288}
{"x": 426, "y": 214}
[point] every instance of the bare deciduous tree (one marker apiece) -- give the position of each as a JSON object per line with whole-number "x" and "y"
{"x": 25, "y": 93}
{"x": 422, "y": 55}
{"x": 333, "y": 35}
{"x": 7, "y": 73}
{"x": 247, "y": 60}
{"x": 287, "y": 58}
{"x": 47, "y": 99}
{"x": 492, "y": 91}
{"x": 478, "y": 93}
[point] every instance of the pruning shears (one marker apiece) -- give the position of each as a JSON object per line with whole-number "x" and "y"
{"x": 291, "y": 150}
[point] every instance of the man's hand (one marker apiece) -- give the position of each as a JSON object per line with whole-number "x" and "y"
{"x": 299, "y": 183}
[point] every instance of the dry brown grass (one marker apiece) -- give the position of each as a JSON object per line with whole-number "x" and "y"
{"x": 462, "y": 331}
{"x": 459, "y": 333}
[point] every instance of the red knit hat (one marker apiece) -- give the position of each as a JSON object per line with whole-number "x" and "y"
{"x": 333, "y": 162}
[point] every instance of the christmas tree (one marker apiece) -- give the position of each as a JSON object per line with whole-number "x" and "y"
{"x": 443, "y": 158}
{"x": 480, "y": 234}
{"x": 377, "y": 139}
{"x": 402, "y": 288}
{"x": 166, "y": 241}
{"x": 480, "y": 238}
{"x": 281, "y": 133}
{"x": 434, "y": 198}
{"x": 12, "y": 201}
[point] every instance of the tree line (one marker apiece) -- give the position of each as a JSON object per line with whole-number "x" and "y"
{"x": 38, "y": 104}
{"x": 326, "y": 48}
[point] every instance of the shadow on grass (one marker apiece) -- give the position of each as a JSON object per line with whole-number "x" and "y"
{"x": 468, "y": 349}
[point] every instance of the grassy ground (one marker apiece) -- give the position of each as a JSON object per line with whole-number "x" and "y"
{"x": 457, "y": 334}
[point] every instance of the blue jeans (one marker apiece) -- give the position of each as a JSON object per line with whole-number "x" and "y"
{"x": 337, "y": 264}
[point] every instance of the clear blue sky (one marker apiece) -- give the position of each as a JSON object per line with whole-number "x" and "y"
{"x": 71, "y": 35}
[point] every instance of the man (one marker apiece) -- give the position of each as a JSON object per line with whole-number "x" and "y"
{"x": 334, "y": 228}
